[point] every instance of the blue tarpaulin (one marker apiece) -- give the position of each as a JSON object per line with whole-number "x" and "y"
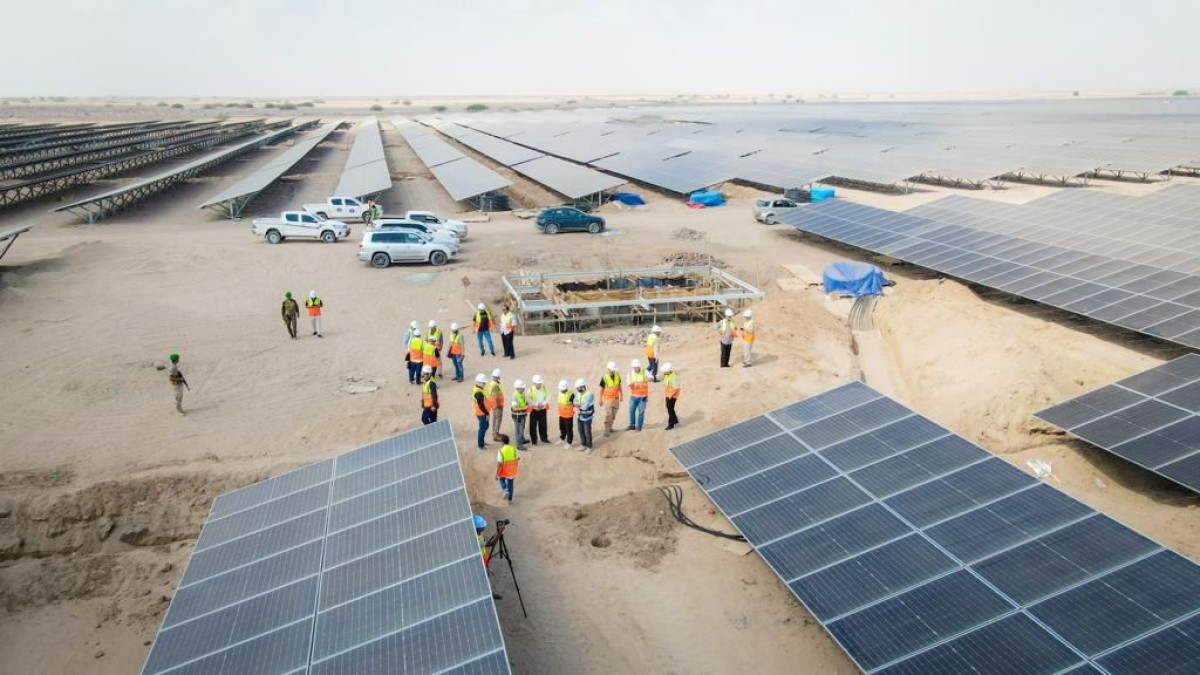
{"x": 705, "y": 198}
{"x": 627, "y": 198}
{"x": 853, "y": 279}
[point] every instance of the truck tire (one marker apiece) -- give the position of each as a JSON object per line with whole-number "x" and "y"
{"x": 381, "y": 260}
{"x": 273, "y": 237}
{"x": 328, "y": 237}
{"x": 594, "y": 228}
{"x": 552, "y": 228}
{"x": 437, "y": 258}
{"x": 322, "y": 215}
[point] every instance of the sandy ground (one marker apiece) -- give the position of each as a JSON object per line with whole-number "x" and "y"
{"x": 103, "y": 487}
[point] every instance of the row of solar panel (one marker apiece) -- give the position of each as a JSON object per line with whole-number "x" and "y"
{"x": 922, "y": 553}
{"x": 462, "y": 177}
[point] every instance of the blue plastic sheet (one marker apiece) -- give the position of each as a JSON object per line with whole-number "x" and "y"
{"x": 627, "y": 198}
{"x": 704, "y": 198}
{"x": 853, "y": 279}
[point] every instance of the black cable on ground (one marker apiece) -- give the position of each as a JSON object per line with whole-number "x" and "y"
{"x": 674, "y": 495}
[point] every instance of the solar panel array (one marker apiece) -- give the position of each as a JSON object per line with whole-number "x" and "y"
{"x": 462, "y": 177}
{"x": 1151, "y": 419}
{"x": 364, "y": 563}
{"x": 366, "y": 171}
{"x": 1153, "y": 300}
{"x": 922, "y": 553}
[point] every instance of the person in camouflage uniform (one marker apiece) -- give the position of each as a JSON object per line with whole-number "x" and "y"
{"x": 291, "y": 313}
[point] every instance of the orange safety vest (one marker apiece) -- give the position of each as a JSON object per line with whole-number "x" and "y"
{"x": 639, "y": 385}
{"x": 483, "y": 548}
{"x": 431, "y": 355}
{"x": 427, "y": 394}
{"x": 651, "y": 343}
{"x": 566, "y": 405}
{"x": 416, "y": 350}
{"x": 456, "y": 344}
{"x": 748, "y": 331}
{"x": 475, "y": 403}
{"x": 494, "y": 395}
{"x": 671, "y": 385}
{"x": 479, "y": 317}
{"x": 508, "y": 462}
{"x": 520, "y": 404}
{"x": 435, "y": 336}
{"x": 611, "y": 391}
{"x": 314, "y": 306}
{"x": 545, "y": 404}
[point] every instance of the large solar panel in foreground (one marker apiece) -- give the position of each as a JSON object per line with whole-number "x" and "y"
{"x": 1151, "y": 419}
{"x": 922, "y": 553}
{"x": 364, "y": 563}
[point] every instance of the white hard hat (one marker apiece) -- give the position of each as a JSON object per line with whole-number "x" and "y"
{"x": 656, "y": 329}
{"x": 481, "y": 379}
{"x": 580, "y": 383}
{"x": 432, "y": 323}
{"x": 413, "y": 324}
{"x": 537, "y": 379}
{"x": 312, "y": 294}
{"x": 427, "y": 369}
{"x": 612, "y": 365}
{"x": 635, "y": 364}
{"x": 481, "y": 306}
{"x": 747, "y": 314}
{"x": 519, "y": 384}
{"x": 667, "y": 368}
{"x": 496, "y": 373}
{"x": 729, "y": 312}
{"x": 454, "y": 326}
{"x": 563, "y": 385}
{"x": 416, "y": 332}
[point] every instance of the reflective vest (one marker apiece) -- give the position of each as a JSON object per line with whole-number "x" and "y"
{"x": 639, "y": 384}
{"x": 483, "y": 548}
{"x": 566, "y": 405}
{"x": 416, "y": 350}
{"x": 475, "y": 403}
{"x": 520, "y": 404}
{"x": 725, "y": 329}
{"x": 748, "y": 331}
{"x": 427, "y": 394}
{"x": 314, "y": 306}
{"x": 456, "y": 344}
{"x": 671, "y": 385}
{"x": 611, "y": 391}
{"x": 652, "y": 346}
{"x": 587, "y": 406}
{"x": 435, "y": 336}
{"x": 431, "y": 355}
{"x": 508, "y": 321}
{"x": 508, "y": 462}
{"x": 541, "y": 400}
{"x": 479, "y": 316}
{"x": 494, "y": 395}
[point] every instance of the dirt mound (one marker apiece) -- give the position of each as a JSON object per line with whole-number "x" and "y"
{"x": 636, "y": 527}
{"x": 687, "y": 258}
{"x": 688, "y": 234}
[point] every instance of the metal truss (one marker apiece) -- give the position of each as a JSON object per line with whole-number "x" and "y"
{"x": 104, "y": 151}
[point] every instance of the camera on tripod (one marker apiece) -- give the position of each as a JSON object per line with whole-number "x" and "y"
{"x": 503, "y": 522}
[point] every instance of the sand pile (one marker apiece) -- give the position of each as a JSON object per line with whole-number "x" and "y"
{"x": 637, "y": 526}
{"x": 688, "y": 234}
{"x": 687, "y": 258}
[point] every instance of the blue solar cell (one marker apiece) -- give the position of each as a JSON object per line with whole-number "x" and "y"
{"x": 761, "y": 488}
{"x": 1186, "y": 397}
{"x": 959, "y": 492}
{"x": 800, "y": 510}
{"x": 858, "y": 451}
{"x": 751, "y": 459}
{"x": 1014, "y": 644}
{"x": 1184, "y": 471}
{"x": 918, "y": 465}
{"x": 1173, "y": 651}
{"x": 833, "y": 541}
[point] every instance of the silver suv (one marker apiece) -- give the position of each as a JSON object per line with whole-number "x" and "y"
{"x": 765, "y": 210}
{"x": 381, "y": 248}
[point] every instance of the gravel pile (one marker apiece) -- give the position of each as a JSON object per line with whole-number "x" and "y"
{"x": 688, "y": 234}
{"x": 686, "y": 258}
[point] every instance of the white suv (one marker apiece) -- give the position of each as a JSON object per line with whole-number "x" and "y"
{"x": 381, "y": 248}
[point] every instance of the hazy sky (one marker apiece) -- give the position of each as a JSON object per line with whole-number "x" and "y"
{"x": 534, "y": 47}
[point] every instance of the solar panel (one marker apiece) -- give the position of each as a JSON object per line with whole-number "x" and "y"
{"x": 920, "y": 552}
{"x": 566, "y": 178}
{"x": 366, "y": 171}
{"x": 364, "y": 563}
{"x": 1151, "y": 419}
{"x": 465, "y": 178}
{"x": 502, "y": 151}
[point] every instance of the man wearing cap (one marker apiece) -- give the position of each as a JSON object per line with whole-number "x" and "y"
{"x": 639, "y": 392}
{"x": 671, "y": 393}
{"x": 315, "y": 305}
{"x": 291, "y": 313}
{"x": 652, "y": 352}
{"x": 585, "y": 410}
{"x": 747, "y": 331}
{"x": 495, "y": 400}
{"x": 416, "y": 356}
{"x": 506, "y": 466}
{"x": 539, "y": 404}
{"x": 479, "y": 405}
{"x": 456, "y": 351}
{"x": 611, "y": 395}
{"x": 429, "y": 396}
{"x": 178, "y": 382}
{"x": 483, "y": 328}
{"x": 725, "y": 336}
{"x": 520, "y": 412}
{"x": 508, "y": 331}
{"x": 566, "y": 414}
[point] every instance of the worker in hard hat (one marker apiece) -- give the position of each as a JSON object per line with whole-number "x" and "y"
{"x": 539, "y": 406}
{"x": 495, "y": 401}
{"x": 611, "y": 395}
{"x": 639, "y": 393}
{"x": 585, "y": 410}
{"x": 725, "y": 330}
{"x": 652, "y": 340}
{"x": 508, "y": 332}
{"x": 566, "y": 413}
{"x": 430, "y": 357}
{"x": 671, "y": 393}
{"x": 408, "y": 336}
{"x": 481, "y": 525}
{"x": 479, "y": 403}
{"x": 412, "y": 325}
{"x": 315, "y": 305}
{"x": 291, "y": 313}
{"x": 506, "y": 466}
{"x": 416, "y": 356}
{"x": 747, "y": 330}
{"x": 178, "y": 382}
{"x": 520, "y": 412}
{"x": 429, "y": 396}
{"x": 456, "y": 351}
{"x": 434, "y": 335}
{"x": 483, "y": 328}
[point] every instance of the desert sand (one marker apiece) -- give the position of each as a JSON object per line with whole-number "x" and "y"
{"x": 103, "y": 487}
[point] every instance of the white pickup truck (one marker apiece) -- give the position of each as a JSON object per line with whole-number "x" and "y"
{"x": 340, "y": 207}
{"x": 299, "y": 225}
{"x": 456, "y": 227}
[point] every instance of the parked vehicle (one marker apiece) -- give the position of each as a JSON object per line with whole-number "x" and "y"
{"x": 381, "y": 248}
{"x": 568, "y": 219}
{"x": 412, "y": 225}
{"x": 340, "y": 207}
{"x": 299, "y": 225}
{"x": 765, "y": 210}
{"x": 456, "y": 227}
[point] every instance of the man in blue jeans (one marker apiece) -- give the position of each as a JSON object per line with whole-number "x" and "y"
{"x": 585, "y": 410}
{"x": 481, "y": 411}
{"x": 639, "y": 391}
{"x": 483, "y": 328}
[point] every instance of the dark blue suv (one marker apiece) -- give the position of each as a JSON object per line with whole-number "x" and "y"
{"x": 568, "y": 219}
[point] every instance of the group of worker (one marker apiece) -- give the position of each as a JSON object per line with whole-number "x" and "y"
{"x": 728, "y": 331}
{"x": 291, "y": 313}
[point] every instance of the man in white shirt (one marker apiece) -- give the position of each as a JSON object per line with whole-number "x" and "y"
{"x": 508, "y": 329}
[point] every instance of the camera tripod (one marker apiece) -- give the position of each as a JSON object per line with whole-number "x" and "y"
{"x": 498, "y": 548}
